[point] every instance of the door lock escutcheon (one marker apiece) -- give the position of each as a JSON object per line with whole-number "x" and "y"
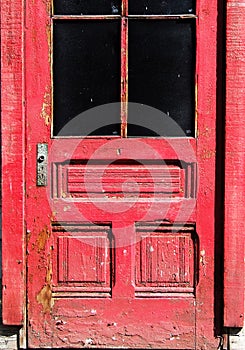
{"x": 42, "y": 164}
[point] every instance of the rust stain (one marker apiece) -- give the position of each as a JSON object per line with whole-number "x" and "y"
{"x": 42, "y": 239}
{"x": 44, "y": 297}
{"x": 45, "y": 112}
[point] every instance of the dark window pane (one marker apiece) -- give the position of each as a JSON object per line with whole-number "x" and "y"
{"x": 161, "y": 73}
{"x": 88, "y": 7}
{"x": 86, "y": 75}
{"x": 156, "y": 7}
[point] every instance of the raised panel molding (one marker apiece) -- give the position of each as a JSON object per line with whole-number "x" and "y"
{"x": 97, "y": 181}
{"x": 165, "y": 260}
{"x": 82, "y": 260}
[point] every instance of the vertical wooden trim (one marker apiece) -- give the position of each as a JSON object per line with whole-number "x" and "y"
{"x": 124, "y": 76}
{"x": 125, "y": 8}
{"x": 12, "y": 102}
{"x": 234, "y": 166}
{"x": 206, "y": 70}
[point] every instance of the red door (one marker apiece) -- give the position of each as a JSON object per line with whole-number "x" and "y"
{"x": 120, "y": 174}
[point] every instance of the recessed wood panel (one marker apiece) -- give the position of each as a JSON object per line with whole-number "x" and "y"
{"x": 165, "y": 260}
{"x": 82, "y": 260}
{"x": 122, "y": 180}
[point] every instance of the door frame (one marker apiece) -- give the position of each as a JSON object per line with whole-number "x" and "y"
{"x": 234, "y": 208}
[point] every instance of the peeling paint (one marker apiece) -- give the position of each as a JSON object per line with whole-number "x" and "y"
{"x": 49, "y": 272}
{"x": 207, "y": 154}
{"x": 48, "y": 33}
{"x": 203, "y": 261}
{"x": 28, "y": 236}
{"x": 45, "y": 112}
{"x": 42, "y": 239}
{"x": 48, "y": 6}
{"x": 205, "y": 132}
{"x": 44, "y": 297}
{"x": 88, "y": 341}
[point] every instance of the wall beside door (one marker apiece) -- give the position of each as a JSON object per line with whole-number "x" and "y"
{"x": 8, "y": 335}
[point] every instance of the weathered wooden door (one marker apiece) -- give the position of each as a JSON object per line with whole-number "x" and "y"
{"x": 119, "y": 205}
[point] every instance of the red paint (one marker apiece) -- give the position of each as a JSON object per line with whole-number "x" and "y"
{"x": 124, "y": 76}
{"x": 206, "y": 108}
{"x": 234, "y": 166}
{"x": 12, "y": 107}
{"x": 119, "y": 297}
{"x": 118, "y": 283}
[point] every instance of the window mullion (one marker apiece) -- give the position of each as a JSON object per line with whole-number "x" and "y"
{"x": 124, "y": 76}
{"x": 125, "y": 8}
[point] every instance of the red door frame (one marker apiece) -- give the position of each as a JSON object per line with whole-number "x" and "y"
{"x": 13, "y": 151}
{"x": 234, "y": 199}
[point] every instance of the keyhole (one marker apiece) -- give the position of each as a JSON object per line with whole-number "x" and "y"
{"x": 41, "y": 159}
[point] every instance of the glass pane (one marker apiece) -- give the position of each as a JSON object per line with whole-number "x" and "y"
{"x": 161, "y": 74}
{"x": 86, "y": 75}
{"x": 156, "y": 7}
{"x": 88, "y": 7}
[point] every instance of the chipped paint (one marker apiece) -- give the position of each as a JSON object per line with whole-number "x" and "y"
{"x": 88, "y": 341}
{"x": 207, "y": 154}
{"x": 203, "y": 261}
{"x": 42, "y": 239}
{"x": 44, "y": 297}
{"x": 206, "y": 132}
{"x": 45, "y": 112}
{"x": 48, "y": 28}
{"x": 28, "y": 236}
{"x": 48, "y": 33}
{"x": 48, "y": 4}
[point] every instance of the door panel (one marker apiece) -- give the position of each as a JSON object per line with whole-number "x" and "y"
{"x": 121, "y": 240}
{"x": 93, "y": 305}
